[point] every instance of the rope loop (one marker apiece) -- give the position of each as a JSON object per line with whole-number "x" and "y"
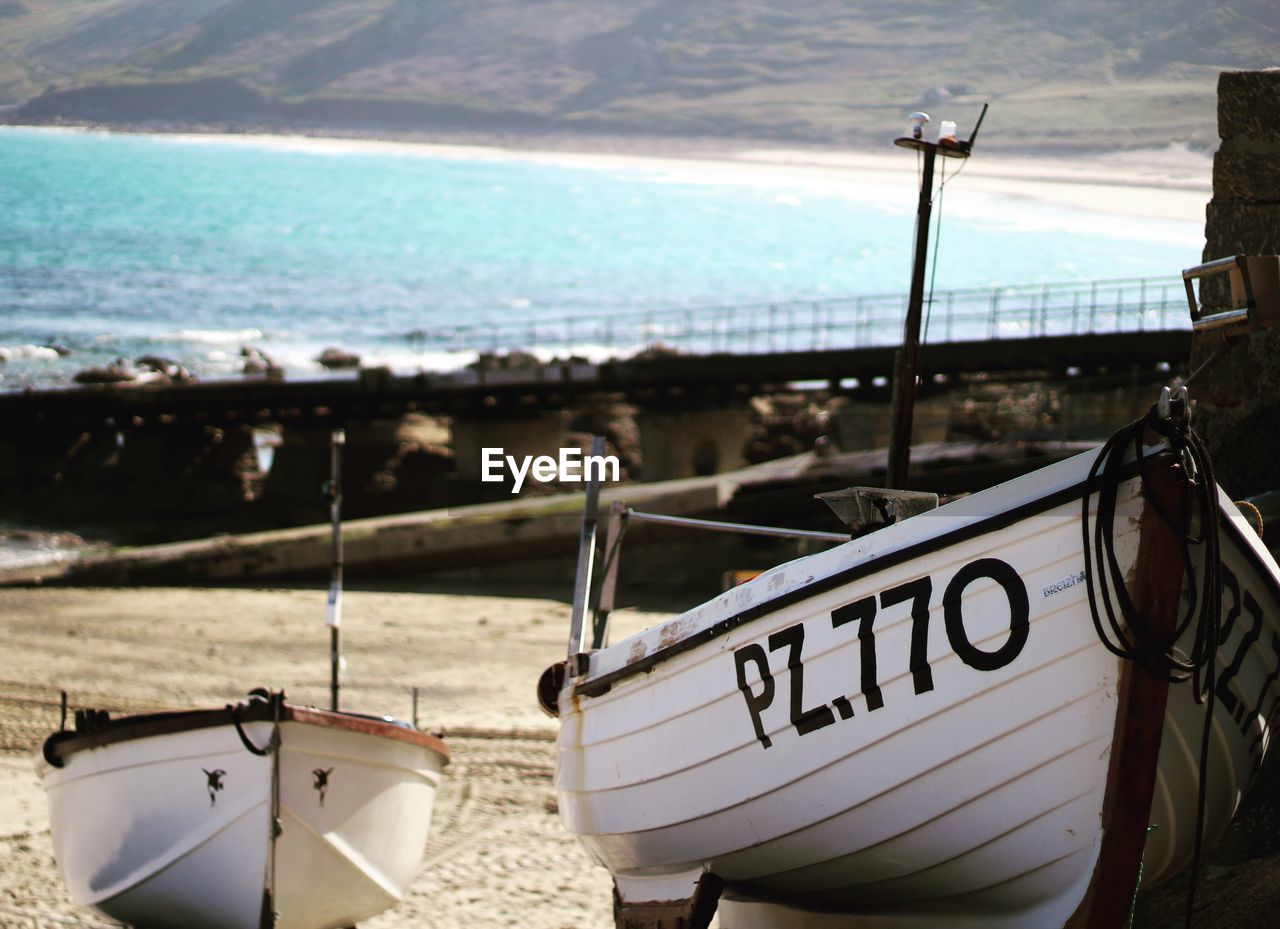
{"x": 1121, "y": 627}
{"x": 258, "y": 696}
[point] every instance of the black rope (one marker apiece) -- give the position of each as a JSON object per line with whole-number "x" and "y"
{"x": 233, "y": 712}
{"x": 1125, "y": 631}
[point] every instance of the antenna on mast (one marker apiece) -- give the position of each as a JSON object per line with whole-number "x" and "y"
{"x": 907, "y": 360}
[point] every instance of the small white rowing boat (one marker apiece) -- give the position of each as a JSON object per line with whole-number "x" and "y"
{"x": 925, "y": 726}
{"x": 261, "y": 814}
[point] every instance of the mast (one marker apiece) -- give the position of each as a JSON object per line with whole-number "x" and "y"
{"x": 906, "y": 362}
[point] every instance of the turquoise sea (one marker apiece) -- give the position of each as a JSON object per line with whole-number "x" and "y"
{"x": 115, "y": 245}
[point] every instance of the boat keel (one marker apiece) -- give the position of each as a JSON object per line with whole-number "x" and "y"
{"x": 682, "y": 901}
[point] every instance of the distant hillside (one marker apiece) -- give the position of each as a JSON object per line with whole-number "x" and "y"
{"x": 1094, "y": 74}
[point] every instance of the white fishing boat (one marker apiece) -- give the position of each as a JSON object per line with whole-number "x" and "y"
{"x": 260, "y": 814}
{"x": 924, "y": 726}
{"x": 1000, "y": 713}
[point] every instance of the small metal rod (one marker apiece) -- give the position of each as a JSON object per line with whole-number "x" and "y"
{"x": 333, "y": 611}
{"x": 714, "y": 525}
{"x": 414, "y": 717}
{"x": 1222, "y": 350}
{"x": 586, "y": 553}
{"x": 605, "y": 600}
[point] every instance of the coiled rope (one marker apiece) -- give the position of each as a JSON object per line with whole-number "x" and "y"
{"x": 1126, "y": 632}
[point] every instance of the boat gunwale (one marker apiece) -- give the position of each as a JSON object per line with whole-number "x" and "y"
{"x": 62, "y": 744}
{"x": 602, "y": 684}
{"x": 597, "y": 686}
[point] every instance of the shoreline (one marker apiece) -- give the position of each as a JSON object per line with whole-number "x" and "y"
{"x": 1169, "y": 183}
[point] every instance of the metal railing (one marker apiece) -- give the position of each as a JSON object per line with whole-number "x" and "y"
{"x": 1017, "y": 311}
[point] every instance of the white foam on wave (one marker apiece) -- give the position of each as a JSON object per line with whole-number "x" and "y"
{"x": 299, "y": 358}
{"x": 212, "y": 336}
{"x": 29, "y": 352}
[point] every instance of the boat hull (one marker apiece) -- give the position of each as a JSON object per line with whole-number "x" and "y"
{"x": 174, "y": 829}
{"x": 1246, "y": 706}
{"x": 915, "y": 728}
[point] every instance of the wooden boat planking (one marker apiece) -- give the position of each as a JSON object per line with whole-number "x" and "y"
{"x": 652, "y": 856}
{"x": 262, "y": 814}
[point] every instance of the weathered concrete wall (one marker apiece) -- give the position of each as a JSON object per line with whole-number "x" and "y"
{"x": 188, "y": 469}
{"x": 692, "y": 443}
{"x": 1238, "y": 396}
{"x": 388, "y": 466}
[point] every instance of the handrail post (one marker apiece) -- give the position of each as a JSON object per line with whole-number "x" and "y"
{"x": 586, "y": 555}
{"x": 609, "y": 582}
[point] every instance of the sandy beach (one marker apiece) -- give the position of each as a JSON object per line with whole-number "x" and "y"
{"x": 1169, "y": 182}
{"x": 497, "y": 856}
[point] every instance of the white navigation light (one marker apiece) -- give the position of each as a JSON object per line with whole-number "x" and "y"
{"x": 917, "y": 124}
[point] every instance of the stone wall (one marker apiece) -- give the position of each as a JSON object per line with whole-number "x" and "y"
{"x": 1237, "y": 396}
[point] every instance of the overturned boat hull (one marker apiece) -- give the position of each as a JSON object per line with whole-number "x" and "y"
{"x": 917, "y": 728}
{"x": 260, "y": 815}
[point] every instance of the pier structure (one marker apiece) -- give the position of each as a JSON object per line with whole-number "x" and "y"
{"x": 677, "y": 394}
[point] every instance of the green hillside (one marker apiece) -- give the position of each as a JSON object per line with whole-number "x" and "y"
{"x": 1082, "y": 75}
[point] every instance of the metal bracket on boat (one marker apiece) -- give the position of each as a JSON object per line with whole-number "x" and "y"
{"x": 1254, "y": 295}
{"x": 550, "y": 683}
{"x": 553, "y": 679}
{"x": 1174, "y": 403}
{"x": 86, "y": 722}
{"x": 1171, "y": 420}
{"x": 866, "y": 509}
{"x": 90, "y": 720}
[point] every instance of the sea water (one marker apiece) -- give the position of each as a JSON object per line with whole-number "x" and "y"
{"x": 115, "y": 245}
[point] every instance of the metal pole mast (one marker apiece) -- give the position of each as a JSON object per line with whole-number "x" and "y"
{"x": 908, "y": 356}
{"x": 907, "y": 361}
{"x": 586, "y": 554}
